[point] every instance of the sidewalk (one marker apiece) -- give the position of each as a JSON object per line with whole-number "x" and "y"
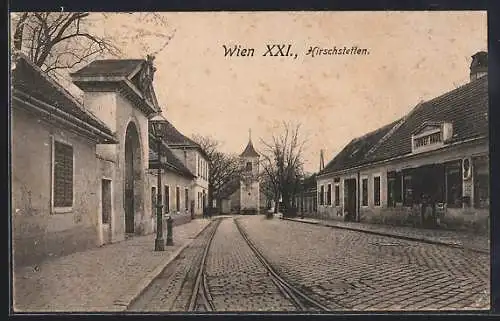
{"x": 478, "y": 243}
{"x": 104, "y": 279}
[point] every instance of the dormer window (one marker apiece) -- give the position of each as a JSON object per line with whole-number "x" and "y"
{"x": 429, "y": 139}
{"x": 431, "y": 135}
{"x": 249, "y": 166}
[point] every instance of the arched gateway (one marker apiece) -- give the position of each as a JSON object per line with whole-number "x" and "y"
{"x": 120, "y": 94}
{"x": 133, "y": 178}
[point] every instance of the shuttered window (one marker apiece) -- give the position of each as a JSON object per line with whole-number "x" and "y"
{"x": 337, "y": 195}
{"x": 177, "y": 199}
{"x": 63, "y": 175}
{"x": 376, "y": 190}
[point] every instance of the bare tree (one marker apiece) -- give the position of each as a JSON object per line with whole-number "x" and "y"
{"x": 63, "y": 40}
{"x": 224, "y": 168}
{"x": 283, "y": 164}
{"x": 58, "y": 40}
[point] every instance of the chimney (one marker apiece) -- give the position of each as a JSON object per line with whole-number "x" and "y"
{"x": 479, "y": 65}
{"x": 321, "y": 161}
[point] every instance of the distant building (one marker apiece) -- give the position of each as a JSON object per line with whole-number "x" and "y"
{"x": 307, "y": 199}
{"x": 244, "y": 196}
{"x": 82, "y": 173}
{"x": 194, "y": 158}
{"x": 430, "y": 167}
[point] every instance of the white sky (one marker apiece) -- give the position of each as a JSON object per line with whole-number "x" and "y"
{"x": 413, "y": 56}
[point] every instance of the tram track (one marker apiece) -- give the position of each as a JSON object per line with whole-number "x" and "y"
{"x": 200, "y": 297}
{"x": 240, "y": 278}
{"x": 300, "y": 300}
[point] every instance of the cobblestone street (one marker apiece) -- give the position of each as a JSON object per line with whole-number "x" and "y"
{"x": 360, "y": 271}
{"x": 237, "y": 280}
{"x": 341, "y": 269}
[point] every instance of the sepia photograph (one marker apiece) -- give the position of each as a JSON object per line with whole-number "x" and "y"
{"x": 251, "y": 162}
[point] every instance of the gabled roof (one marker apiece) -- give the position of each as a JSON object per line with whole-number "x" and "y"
{"x": 35, "y": 87}
{"x": 132, "y": 77}
{"x": 354, "y": 154}
{"x": 176, "y": 140}
{"x": 110, "y": 67}
{"x": 173, "y": 163}
{"x": 465, "y": 107}
{"x": 249, "y": 151}
{"x": 310, "y": 182}
{"x": 229, "y": 189}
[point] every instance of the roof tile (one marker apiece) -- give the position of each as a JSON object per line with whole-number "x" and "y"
{"x": 466, "y": 107}
{"x": 109, "y": 67}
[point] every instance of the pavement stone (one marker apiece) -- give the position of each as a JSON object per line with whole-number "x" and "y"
{"x": 461, "y": 239}
{"x": 362, "y": 271}
{"x": 172, "y": 289}
{"x": 236, "y": 279}
{"x": 107, "y": 278}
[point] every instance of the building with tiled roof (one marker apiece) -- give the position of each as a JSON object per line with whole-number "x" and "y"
{"x": 249, "y": 151}
{"x": 244, "y": 196}
{"x": 86, "y": 174}
{"x": 194, "y": 159}
{"x": 437, "y": 154}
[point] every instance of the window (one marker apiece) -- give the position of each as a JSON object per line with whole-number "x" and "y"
{"x": 454, "y": 184}
{"x": 322, "y": 195}
{"x": 177, "y": 199}
{"x": 407, "y": 189}
{"x": 337, "y": 195}
{"x": 376, "y": 191}
{"x": 393, "y": 188}
{"x": 106, "y": 201}
{"x": 481, "y": 183}
{"x": 153, "y": 199}
{"x": 167, "y": 199}
{"x": 63, "y": 175}
{"x": 364, "y": 187}
{"x": 186, "y": 198}
{"x": 430, "y": 139}
{"x": 249, "y": 166}
{"x": 329, "y": 194}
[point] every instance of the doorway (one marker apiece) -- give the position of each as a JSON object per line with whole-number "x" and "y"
{"x": 133, "y": 177}
{"x": 350, "y": 199}
{"x": 106, "y": 210}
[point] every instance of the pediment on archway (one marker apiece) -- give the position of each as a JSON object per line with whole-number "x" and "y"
{"x": 143, "y": 80}
{"x": 132, "y": 78}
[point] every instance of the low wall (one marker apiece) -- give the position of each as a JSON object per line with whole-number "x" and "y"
{"x": 34, "y": 249}
{"x": 464, "y": 219}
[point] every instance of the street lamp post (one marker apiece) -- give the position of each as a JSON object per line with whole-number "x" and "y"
{"x": 302, "y": 197}
{"x": 158, "y": 126}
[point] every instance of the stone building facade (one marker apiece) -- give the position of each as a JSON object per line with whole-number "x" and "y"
{"x": 81, "y": 173}
{"x": 194, "y": 158}
{"x": 244, "y": 196}
{"x": 429, "y": 168}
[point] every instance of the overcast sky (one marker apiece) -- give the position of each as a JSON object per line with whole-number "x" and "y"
{"x": 413, "y": 56}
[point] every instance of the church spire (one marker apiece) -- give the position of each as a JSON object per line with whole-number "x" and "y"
{"x": 250, "y": 150}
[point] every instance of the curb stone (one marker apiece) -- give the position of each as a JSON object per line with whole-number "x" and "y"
{"x": 121, "y": 305}
{"x": 404, "y": 237}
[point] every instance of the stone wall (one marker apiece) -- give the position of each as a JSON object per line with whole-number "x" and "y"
{"x": 466, "y": 218}
{"x": 250, "y": 198}
{"x": 38, "y": 232}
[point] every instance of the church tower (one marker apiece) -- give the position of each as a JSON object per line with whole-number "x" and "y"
{"x": 249, "y": 183}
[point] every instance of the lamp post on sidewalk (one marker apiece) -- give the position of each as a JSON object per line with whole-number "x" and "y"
{"x": 302, "y": 188}
{"x": 158, "y": 123}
